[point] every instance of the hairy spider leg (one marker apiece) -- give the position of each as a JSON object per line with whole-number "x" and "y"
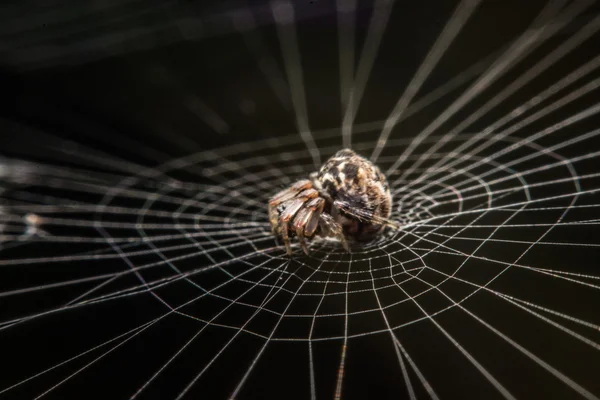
{"x": 273, "y": 217}
{"x": 317, "y": 205}
{"x": 300, "y": 220}
{"x": 290, "y": 210}
{"x": 284, "y": 196}
{"x": 307, "y": 219}
{"x": 362, "y": 215}
{"x": 291, "y": 192}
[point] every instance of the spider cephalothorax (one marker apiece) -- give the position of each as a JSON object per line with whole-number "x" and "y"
{"x": 348, "y": 199}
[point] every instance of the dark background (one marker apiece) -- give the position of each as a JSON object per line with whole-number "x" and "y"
{"x": 118, "y": 80}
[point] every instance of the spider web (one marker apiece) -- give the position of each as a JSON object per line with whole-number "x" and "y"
{"x": 154, "y": 276}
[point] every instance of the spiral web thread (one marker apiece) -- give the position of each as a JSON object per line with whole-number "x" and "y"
{"x": 490, "y": 276}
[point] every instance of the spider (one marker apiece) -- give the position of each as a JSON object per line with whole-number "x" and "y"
{"x": 347, "y": 199}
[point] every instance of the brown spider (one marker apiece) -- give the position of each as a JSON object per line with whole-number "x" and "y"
{"x": 348, "y": 199}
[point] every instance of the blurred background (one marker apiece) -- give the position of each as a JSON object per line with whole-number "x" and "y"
{"x": 141, "y": 140}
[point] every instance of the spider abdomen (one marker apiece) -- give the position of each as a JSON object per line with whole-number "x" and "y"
{"x": 358, "y": 194}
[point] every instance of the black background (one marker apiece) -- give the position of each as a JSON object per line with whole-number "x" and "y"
{"x": 113, "y": 79}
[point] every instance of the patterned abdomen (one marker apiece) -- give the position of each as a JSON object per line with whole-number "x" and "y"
{"x": 358, "y": 192}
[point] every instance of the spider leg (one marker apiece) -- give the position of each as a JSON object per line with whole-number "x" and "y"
{"x": 302, "y": 217}
{"x": 363, "y": 216}
{"x": 333, "y": 229}
{"x": 285, "y": 238}
{"x": 285, "y": 205}
{"x": 273, "y": 218}
{"x": 308, "y": 226}
{"x": 285, "y": 217}
{"x": 316, "y": 206}
{"x": 290, "y": 210}
{"x": 290, "y": 193}
{"x": 282, "y": 197}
